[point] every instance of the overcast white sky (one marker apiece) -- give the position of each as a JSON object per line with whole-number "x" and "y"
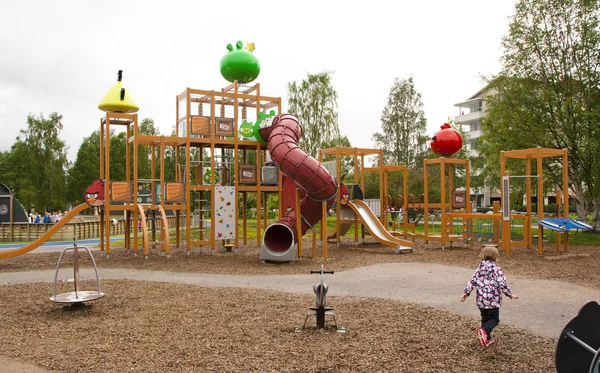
{"x": 63, "y": 56}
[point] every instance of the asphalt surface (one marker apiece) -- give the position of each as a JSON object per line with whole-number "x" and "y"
{"x": 544, "y": 307}
{"x": 57, "y": 246}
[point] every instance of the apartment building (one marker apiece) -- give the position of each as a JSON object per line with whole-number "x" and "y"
{"x": 470, "y": 113}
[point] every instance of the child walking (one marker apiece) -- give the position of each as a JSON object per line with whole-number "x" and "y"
{"x": 490, "y": 282}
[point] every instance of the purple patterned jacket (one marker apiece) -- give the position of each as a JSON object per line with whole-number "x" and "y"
{"x": 490, "y": 282}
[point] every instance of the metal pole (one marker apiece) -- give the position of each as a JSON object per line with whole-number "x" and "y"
{"x": 76, "y": 267}
{"x": 569, "y": 334}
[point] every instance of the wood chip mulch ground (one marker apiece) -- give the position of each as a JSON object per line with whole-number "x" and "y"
{"x": 161, "y": 327}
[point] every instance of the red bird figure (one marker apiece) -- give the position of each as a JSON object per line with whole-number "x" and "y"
{"x": 94, "y": 194}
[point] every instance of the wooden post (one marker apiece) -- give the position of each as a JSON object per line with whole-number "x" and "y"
{"x": 496, "y": 228}
{"x": 106, "y": 208}
{"x": 426, "y": 200}
{"x": 324, "y": 231}
{"x": 244, "y": 217}
{"x": 298, "y": 222}
{"x": 540, "y": 200}
{"x": 314, "y": 245}
{"x": 527, "y": 228}
{"x": 558, "y": 206}
{"x": 565, "y": 160}
{"x": 506, "y": 218}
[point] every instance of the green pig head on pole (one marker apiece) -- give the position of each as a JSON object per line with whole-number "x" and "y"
{"x": 240, "y": 64}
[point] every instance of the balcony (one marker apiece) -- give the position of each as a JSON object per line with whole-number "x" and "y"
{"x": 466, "y": 118}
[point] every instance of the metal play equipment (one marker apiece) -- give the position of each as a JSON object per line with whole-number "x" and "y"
{"x": 320, "y": 311}
{"x": 577, "y": 348}
{"x": 77, "y": 296}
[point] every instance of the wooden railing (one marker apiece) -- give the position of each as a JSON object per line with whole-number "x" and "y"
{"x": 80, "y": 230}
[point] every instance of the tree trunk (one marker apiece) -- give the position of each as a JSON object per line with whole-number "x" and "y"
{"x": 580, "y": 202}
{"x": 595, "y": 214}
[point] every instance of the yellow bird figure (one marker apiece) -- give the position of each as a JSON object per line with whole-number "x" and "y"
{"x": 250, "y": 47}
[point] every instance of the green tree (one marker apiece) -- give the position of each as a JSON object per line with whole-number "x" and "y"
{"x": 38, "y": 161}
{"x": 548, "y": 93}
{"x": 346, "y": 163}
{"x": 314, "y": 102}
{"x": 147, "y": 127}
{"x": 9, "y": 174}
{"x": 118, "y": 147}
{"x": 403, "y": 125}
{"x": 86, "y": 167}
{"x": 169, "y": 161}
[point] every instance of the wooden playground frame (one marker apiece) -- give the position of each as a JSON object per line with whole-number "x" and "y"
{"x": 358, "y": 155}
{"x": 213, "y": 130}
{"x": 538, "y": 154}
{"x": 193, "y": 131}
{"x": 450, "y": 211}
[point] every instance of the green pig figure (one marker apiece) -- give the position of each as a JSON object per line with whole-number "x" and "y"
{"x": 246, "y": 131}
{"x": 239, "y": 64}
{"x": 261, "y": 117}
{"x": 206, "y": 176}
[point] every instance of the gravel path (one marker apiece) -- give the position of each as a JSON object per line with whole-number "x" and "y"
{"x": 544, "y": 307}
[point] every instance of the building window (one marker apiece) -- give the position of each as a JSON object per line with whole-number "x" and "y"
{"x": 475, "y": 126}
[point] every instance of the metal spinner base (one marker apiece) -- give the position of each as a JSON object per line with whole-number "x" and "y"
{"x": 80, "y": 297}
{"x": 76, "y": 296}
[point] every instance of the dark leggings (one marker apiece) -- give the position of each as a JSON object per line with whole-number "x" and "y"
{"x": 489, "y": 319}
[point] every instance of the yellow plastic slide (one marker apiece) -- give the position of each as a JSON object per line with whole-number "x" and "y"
{"x": 35, "y": 244}
{"x": 375, "y": 228}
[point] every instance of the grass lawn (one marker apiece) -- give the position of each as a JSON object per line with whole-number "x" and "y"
{"x": 482, "y": 230}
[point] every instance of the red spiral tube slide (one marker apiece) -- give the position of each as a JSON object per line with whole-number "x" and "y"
{"x": 283, "y": 136}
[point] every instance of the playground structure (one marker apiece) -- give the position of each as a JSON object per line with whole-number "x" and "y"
{"x": 503, "y": 219}
{"x": 455, "y": 217}
{"x": 393, "y": 237}
{"x": 538, "y": 154}
{"x": 220, "y": 158}
{"x": 213, "y": 166}
{"x": 351, "y": 210}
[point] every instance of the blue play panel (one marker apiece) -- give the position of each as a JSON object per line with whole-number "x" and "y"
{"x": 564, "y": 224}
